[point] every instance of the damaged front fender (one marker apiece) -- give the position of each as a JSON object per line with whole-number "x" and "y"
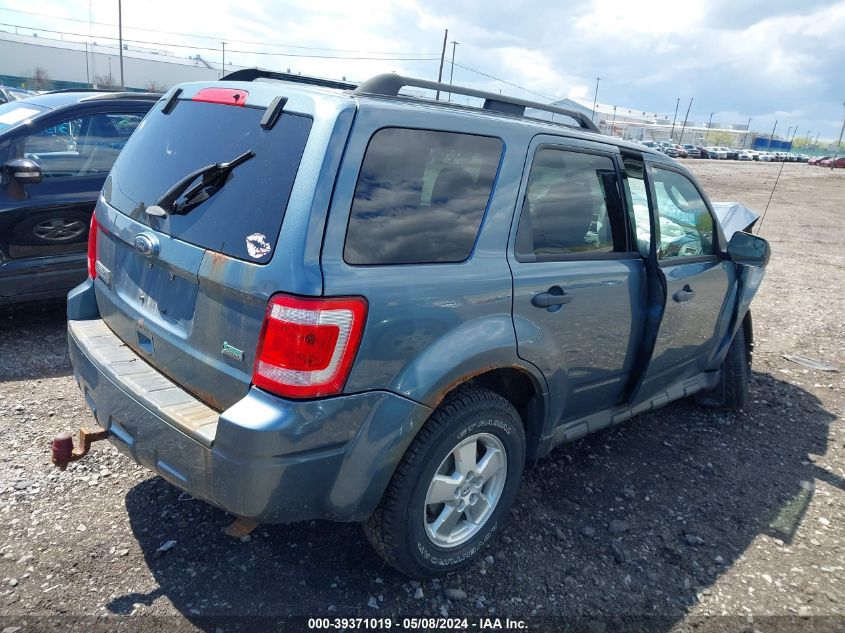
{"x": 750, "y": 254}
{"x": 733, "y": 217}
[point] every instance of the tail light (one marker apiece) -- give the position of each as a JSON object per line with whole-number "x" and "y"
{"x": 307, "y": 346}
{"x": 92, "y": 247}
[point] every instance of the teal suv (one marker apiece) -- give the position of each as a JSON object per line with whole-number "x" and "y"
{"x": 316, "y": 300}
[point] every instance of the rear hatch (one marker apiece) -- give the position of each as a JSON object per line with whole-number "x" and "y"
{"x": 185, "y": 290}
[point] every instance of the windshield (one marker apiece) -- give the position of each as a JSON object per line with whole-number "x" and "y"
{"x": 243, "y": 218}
{"x": 16, "y": 112}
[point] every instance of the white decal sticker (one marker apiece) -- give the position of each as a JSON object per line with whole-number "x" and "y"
{"x": 257, "y": 246}
{"x": 17, "y": 115}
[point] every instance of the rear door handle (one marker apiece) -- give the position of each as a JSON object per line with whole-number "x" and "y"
{"x": 554, "y": 297}
{"x": 684, "y": 294}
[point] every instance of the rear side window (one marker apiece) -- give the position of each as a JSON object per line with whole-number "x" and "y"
{"x": 635, "y": 192}
{"x": 243, "y": 218}
{"x": 420, "y": 197}
{"x": 83, "y": 146}
{"x": 572, "y": 207}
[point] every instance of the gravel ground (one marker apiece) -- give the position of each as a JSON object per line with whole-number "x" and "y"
{"x": 678, "y": 514}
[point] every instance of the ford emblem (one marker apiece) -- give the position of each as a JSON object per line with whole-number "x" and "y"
{"x": 146, "y": 244}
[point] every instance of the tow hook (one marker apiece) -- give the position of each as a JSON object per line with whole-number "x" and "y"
{"x": 64, "y": 452}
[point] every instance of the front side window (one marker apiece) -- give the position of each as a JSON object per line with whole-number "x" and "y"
{"x": 686, "y": 226}
{"x": 82, "y": 146}
{"x": 420, "y": 197}
{"x": 572, "y": 206}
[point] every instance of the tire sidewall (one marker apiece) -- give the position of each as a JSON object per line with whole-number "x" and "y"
{"x": 509, "y": 431}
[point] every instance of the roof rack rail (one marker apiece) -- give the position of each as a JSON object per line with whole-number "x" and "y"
{"x": 389, "y": 84}
{"x": 123, "y": 95}
{"x": 61, "y": 90}
{"x": 251, "y": 74}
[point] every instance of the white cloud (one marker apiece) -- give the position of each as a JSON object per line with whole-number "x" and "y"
{"x": 751, "y": 58}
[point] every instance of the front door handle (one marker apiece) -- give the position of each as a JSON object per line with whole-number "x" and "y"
{"x": 684, "y": 294}
{"x": 554, "y": 297}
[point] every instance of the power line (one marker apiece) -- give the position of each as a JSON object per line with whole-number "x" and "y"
{"x": 215, "y": 38}
{"x": 504, "y": 81}
{"x": 210, "y": 48}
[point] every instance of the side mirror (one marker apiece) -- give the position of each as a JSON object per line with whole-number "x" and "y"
{"x": 748, "y": 250}
{"x": 23, "y": 170}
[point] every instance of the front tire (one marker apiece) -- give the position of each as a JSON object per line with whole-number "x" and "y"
{"x": 732, "y": 391}
{"x": 453, "y": 489}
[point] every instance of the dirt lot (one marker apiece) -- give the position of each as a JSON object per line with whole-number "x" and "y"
{"x": 677, "y": 514}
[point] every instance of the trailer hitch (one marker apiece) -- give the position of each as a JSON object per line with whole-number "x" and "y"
{"x": 64, "y": 452}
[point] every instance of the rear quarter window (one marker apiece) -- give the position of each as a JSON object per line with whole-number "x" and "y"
{"x": 420, "y": 197}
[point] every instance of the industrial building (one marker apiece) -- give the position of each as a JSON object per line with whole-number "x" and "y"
{"x": 42, "y": 63}
{"x": 631, "y": 123}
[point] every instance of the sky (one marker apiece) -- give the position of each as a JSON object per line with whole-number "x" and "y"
{"x": 768, "y": 60}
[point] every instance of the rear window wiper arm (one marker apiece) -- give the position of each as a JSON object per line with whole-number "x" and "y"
{"x": 213, "y": 177}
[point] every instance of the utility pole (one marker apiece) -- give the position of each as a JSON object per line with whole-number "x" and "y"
{"x": 613, "y": 123}
{"x": 674, "y": 118}
{"x": 772, "y": 137}
{"x": 87, "y": 73}
{"x": 452, "y": 69}
{"x": 442, "y": 58}
{"x": 224, "y": 59}
{"x": 747, "y": 131}
{"x": 120, "y": 39}
{"x": 681, "y": 140}
{"x": 838, "y": 143}
{"x": 595, "y": 99}
{"x": 709, "y": 124}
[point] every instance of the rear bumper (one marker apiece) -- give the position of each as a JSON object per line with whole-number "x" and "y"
{"x": 265, "y": 458}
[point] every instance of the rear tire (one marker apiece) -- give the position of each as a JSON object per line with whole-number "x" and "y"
{"x": 470, "y": 454}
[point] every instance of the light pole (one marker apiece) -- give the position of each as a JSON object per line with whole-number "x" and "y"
{"x": 452, "y": 69}
{"x": 772, "y": 137}
{"x": 674, "y": 118}
{"x": 747, "y": 131}
{"x": 838, "y": 143}
{"x": 613, "y": 123}
{"x": 681, "y": 140}
{"x": 709, "y": 124}
{"x": 224, "y": 58}
{"x": 87, "y": 73}
{"x": 120, "y": 41}
{"x": 596, "y": 99}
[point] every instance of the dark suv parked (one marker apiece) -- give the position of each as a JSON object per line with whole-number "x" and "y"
{"x": 310, "y": 299}
{"x": 55, "y": 152}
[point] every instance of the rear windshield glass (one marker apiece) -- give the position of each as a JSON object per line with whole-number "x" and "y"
{"x": 420, "y": 197}
{"x": 242, "y": 219}
{"x": 15, "y": 112}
